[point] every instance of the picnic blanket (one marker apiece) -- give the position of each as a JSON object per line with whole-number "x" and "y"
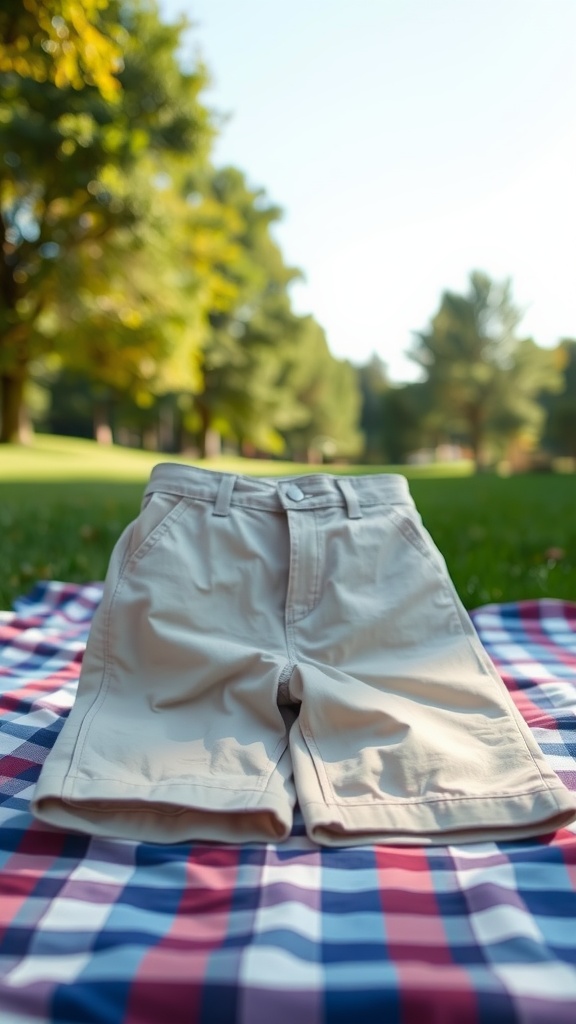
{"x": 96, "y": 931}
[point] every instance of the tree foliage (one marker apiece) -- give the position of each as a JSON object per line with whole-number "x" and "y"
{"x": 560, "y": 429}
{"x": 127, "y": 259}
{"x": 374, "y": 385}
{"x": 70, "y": 159}
{"x": 66, "y": 42}
{"x": 322, "y": 421}
{"x": 482, "y": 380}
{"x": 250, "y": 322}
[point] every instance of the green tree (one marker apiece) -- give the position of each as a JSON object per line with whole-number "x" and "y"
{"x": 374, "y": 384}
{"x": 131, "y": 311}
{"x": 404, "y": 421}
{"x": 393, "y": 417}
{"x": 69, "y": 158}
{"x": 560, "y": 430}
{"x": 251, "y": 325}
{"x": 483, "y": 380}
{"x": 320, "y": 422}
{"x": 65, "y": 42}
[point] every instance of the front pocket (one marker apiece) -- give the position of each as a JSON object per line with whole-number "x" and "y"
{"x": 155, "y": 519}
{"x": 409, "y": 530}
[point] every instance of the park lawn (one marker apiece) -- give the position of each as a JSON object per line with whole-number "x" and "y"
{"x": 73, "y": 459}
{"x": 65, "y": 501}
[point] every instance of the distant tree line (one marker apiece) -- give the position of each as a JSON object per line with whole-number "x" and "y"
{"x": 144, "y": 298}
{"x": 485, "y": 389}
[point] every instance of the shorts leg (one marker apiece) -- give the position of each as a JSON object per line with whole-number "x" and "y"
{"x": 406, "y": 733}
{"x": 176, "y": 733}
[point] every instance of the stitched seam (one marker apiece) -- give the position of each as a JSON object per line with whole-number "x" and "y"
{"x": 84, "y": 729}
{"x": 315, "y": 588}
{"x": 418, "y": 801}
{"x": 410, "y": 531}
{"x": 318, "y": 763}
{"x": 170, "y": 782}
{"x": 157, "y": 533}
{"x": 289, "y": 615}
{"x": 254, "y": 505}
{"x": 479, "y": 652}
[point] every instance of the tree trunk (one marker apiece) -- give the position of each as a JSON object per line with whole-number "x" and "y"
{"x": 102, "y": 428}
{"x": 167, "y": 426}
{"x": 211, "y": 442}
{"x": 476, "y": 437}
{"x": 15, "y": 427}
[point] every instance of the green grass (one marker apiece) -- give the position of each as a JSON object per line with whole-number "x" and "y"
{"x": 64, "y": 459}
{"x": 64, "y": 502}
{"x": 504, "y": 539}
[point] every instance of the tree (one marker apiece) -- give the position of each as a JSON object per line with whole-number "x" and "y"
{"x": 251, "y": 325}
{"x": 320, "y": 422}
{"x": 130, "y": 315}
{"x": 403, "y": 421}
{"x": 68, "y": 159}
{"x": 130, "y": 264}
{"x": 61, "y": 41}
{"x": 373, "y": 382}
{"x": 482, "y": 380}
{"x": 393, "y": 416}
{"x": 560, "y": 431}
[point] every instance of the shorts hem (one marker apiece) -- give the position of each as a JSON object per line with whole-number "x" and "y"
{"x": 165, "y": 813}
{"x": 437, "y": 822}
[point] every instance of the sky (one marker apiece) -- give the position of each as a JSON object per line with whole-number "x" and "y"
{"x": 408, "y": 143}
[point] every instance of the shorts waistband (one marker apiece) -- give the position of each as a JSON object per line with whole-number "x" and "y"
{"x": 295, "y": 493}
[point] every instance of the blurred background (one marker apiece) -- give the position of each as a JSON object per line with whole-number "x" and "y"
{"x": 338, "y": 230}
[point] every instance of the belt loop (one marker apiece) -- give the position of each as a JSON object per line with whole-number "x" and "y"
{"x": 224, "y": 496}
{"x": 350, "y": 497}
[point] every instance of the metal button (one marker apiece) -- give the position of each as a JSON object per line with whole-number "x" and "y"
{"x": 294, "y": 493}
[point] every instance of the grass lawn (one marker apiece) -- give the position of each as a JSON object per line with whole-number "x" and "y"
{"x": 64, "y": 502}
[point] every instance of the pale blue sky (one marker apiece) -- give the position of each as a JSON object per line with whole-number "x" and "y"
{"x": 408, "y": 142}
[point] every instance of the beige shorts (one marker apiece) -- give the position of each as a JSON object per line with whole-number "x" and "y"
{"x": 260, "y": 641}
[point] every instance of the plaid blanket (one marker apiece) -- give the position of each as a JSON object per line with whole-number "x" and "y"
{"x": 97, "y": 931}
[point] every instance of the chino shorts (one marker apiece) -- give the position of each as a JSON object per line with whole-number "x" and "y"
{"x": 261, "y": 641}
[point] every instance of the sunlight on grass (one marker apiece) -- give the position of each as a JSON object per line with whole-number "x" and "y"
{"x": 53, "y": 458}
